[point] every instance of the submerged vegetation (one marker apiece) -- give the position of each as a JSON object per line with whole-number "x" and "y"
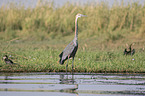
{"x": 34, "y": 37}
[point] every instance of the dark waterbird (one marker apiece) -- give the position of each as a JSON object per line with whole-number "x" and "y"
{"x": 129, "y": 50}
{"x": 7, "y": 61}
{"x": 71, "y": 49}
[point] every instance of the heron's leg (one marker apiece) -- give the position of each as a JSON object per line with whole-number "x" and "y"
{"x": 67, "y": 64}
{"x": 72, "y": 64}
{"x": 73, "y": 78}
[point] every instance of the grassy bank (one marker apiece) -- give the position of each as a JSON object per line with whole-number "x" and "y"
{"x": 32, "y": 56}
{"x": 34, "y": 37}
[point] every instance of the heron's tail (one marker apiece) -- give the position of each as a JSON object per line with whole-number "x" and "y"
{"x": 61, "y": 61}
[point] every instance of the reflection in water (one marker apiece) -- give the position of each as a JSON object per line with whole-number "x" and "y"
{"x": 65, "y": 80}
{"x": 56, "y": 84}
{"x": 6, "y": 78}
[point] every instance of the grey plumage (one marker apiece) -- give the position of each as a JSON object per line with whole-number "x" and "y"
{"x": 69, "y": 51}
{"x": 72, "y": 47}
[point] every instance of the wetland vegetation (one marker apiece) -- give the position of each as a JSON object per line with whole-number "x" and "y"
{"x": 34, "y": 37}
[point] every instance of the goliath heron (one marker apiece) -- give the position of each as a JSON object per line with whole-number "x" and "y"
{"x": 71, "y": 49}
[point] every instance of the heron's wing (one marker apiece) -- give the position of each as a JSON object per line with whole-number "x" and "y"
{"x": 68, "y": 50}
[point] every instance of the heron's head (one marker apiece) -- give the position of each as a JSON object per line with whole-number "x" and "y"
{"x": 80, "y": 15}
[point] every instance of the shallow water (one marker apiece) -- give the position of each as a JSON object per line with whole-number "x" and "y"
{"x": 80, "y": 84}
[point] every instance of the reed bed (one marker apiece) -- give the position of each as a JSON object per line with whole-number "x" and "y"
{"x": 47, "y": 22}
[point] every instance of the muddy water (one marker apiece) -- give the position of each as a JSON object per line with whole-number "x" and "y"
{"x": 79, "y": 84}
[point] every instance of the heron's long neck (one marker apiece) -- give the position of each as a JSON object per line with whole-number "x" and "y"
{"x": 76, "y": 29}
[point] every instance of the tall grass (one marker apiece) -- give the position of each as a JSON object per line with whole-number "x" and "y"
{"x": 45, "y": 21}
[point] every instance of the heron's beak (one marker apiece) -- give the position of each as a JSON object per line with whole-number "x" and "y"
{"x": 84, "y": 15}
